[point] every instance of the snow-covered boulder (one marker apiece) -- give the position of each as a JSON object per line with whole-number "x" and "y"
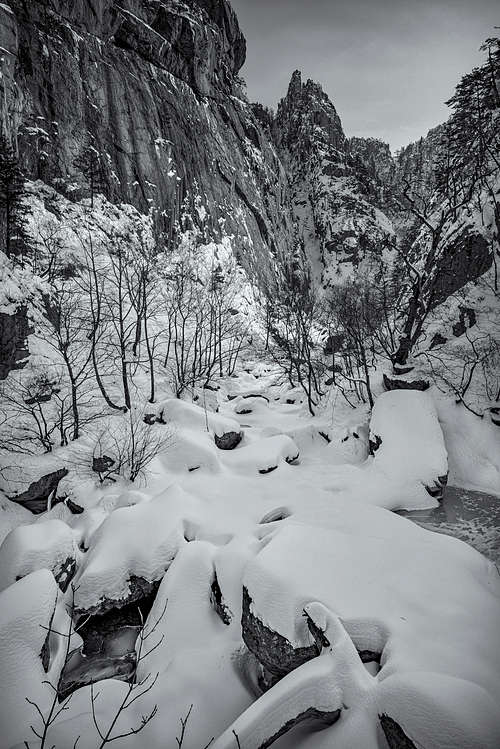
{"x": 247, "y": 404}
{"x": 419, "y": 602}
{"x": 408, "y": 442}
{"x": 264, "y": 455}
{"x": 191, "y": 450}
{"x": 52, "y": 545}
{"x": 30, "y": 656}
{"x": 352, "y": 447}
{"x": 130, "y": 552}
{"x": 190, "y": 416}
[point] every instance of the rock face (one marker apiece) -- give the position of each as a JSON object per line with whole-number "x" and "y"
{"x": 154, "y": 90}
{"x": 334, "y": 201}
{"x": 151, "y": 89}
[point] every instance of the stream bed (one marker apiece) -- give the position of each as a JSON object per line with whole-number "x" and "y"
{"x": 466, "y": 514}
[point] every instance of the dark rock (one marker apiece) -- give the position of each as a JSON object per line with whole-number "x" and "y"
{"x": 466, "y": 257}
{"x": 228, "y": 440}
{"x": 243, "y": 411}
{"x": 273, "y": 651}
{"x": 45, "y": 653}
{"x": 333, "y": 343}
{"x": 280, "y": 513}
{"x": 73, "y": 507}
{"x": 396, "y": 737}
{"x": 396, "y": 384}
{"x": 37, "y": 495}
{"x": 437, "y": 340}
{"x": 256, "y": 395}
{"x": 292, "y": 459}
{"x": 65, "y": 573}
{"x": 369, "y": 656}
{"x": 318, "y": 719}
{"x": 467, "y": 318}
{"x": 102, "y": 464}
{"x": 494, "y": 412}
{"x": 400, "y": 370}
{"x": 267, "y": 470}
{"x": 140, "y": 590}
{"x": 437, "y": 489}
{"x": 149, "y": 419}
{"x": 218, "y": 603}
{"x": 374, "y": 443}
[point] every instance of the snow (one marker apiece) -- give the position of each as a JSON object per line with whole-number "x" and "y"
{"x": 28, "y": 548}
{"x": 263, "y": 455}
{"x": 189, "y": 415}
{"x": 412, "y": 448}
{"x": 27, "y": 609}
{"x": 473, "y": 447}
{"x": 314, "y": 535}
{"x": 389, "y": 580}
{"x": 141, "y": 540}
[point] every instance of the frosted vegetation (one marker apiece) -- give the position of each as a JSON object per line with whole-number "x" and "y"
{"x": 220, "y": 559}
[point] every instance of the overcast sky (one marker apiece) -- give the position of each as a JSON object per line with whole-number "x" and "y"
{"x": 387, "y": 65}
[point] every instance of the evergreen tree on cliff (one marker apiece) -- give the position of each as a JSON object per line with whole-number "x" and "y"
{"x": 12, "y": 206}
{"x": 91, "y": 163}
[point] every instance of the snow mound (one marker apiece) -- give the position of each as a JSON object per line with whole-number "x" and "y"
{"x": 27, "y": 548}
{"x": 191, "y": 416}
{"x": 191, "y": 451}
{"x": 12, "y": 515}
{"x": 263, "y": 455}
{"x": 138, "y": 541}
{"x": 255, "y": 404}
{"x": 423, "y": 601}
{"x": 27, "y": 609}
{"x": 473, "y": 446}
{"x": 412, "y": 447}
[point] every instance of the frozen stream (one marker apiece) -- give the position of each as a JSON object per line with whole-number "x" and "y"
{"x": 469, "y": 515}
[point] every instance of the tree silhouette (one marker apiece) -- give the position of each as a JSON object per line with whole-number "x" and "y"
{"x": 13, "y": 209}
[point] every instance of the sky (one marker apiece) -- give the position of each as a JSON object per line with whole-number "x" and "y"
{"x": 387, "y": 65}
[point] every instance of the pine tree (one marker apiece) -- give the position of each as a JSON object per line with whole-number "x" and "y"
{"x": 92, "y": 164}
{"x": 12, "y": 206}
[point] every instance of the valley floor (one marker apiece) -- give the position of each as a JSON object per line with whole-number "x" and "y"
{"x": 239, "y": 558}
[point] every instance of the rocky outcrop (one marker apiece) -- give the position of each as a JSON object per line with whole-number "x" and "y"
{"x": 154, "y": 90}
{"x": 334, "y": 201}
